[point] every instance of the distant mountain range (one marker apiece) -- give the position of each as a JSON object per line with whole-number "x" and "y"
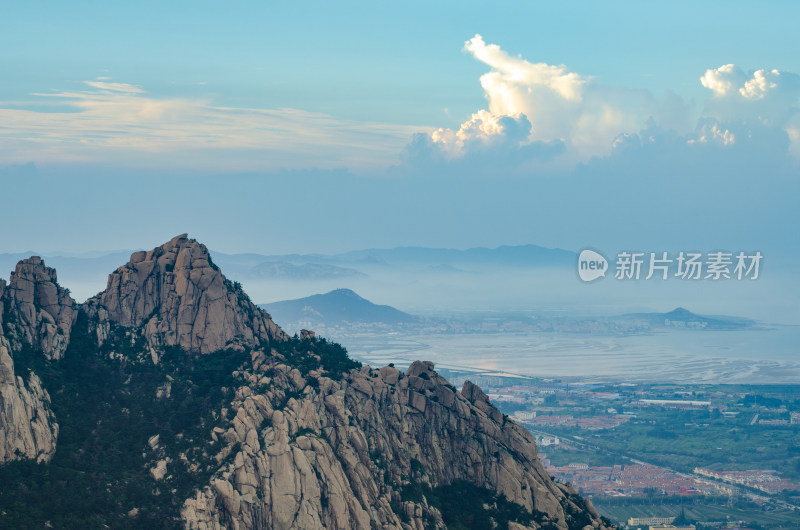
{"x": 520, "y": 255}
{"x": 334, "y": 308}
{"x": 70, "y": 266}
{"x": 435, "y": 260}
{"x": 683, "y": 318}
{"x": 311, "y": 267}
{"x": 304, "y": 271}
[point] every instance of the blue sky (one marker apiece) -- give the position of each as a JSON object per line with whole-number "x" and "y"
{"x": 282, "y": 127}
{"x": 396, "y": 62}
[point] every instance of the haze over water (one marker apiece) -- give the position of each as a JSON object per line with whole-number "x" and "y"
{"x": 683, "y": 356}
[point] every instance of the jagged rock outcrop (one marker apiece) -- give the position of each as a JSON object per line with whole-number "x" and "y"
{"x": 180, "y": 298}
{"x": 335, "y": 455}
{"x": 38, "y": 311}
{"x": 27, "y": 425}
{"x": 307, "y": 441}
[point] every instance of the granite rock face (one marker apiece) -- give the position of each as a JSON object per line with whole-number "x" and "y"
{"x": 180, "y": 298}
{"x": 38, "y": 311}
{"x": 306, "y": 450}
{"x": 335, "y": 456}
{"x": 27, "y": 425}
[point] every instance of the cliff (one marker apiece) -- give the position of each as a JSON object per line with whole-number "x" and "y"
{"x": 184, "y": 405}
{"x": 38, "y": 312}
{"x": 34, "y": 313}
{"x": 360, "y": 452}
{"x": 179, "y": 297}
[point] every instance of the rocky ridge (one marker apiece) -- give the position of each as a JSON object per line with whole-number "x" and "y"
{"x": 305, "y": 441}
{"x": 341, "y": 454}
{"x": 27, "y": 425}
{"x": 38, "y": 312}
{"x": 179, "y": 297}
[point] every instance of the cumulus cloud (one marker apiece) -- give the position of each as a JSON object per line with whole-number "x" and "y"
{"x": 551, "y": 112}
{"x": 712, "y": 132}
{"x": 120, "y": 123}
{"x": 721, "y": 80}
{"x": 756, "y": 107}
{"x": 483, "y": 130}
{"x": 762, "y": 95}
{"x": 731, "y": 81}
{"x": 761, "y": 82}
{"x": 510, "y": 74}
{"x": 484, "y": 143}
{"x": 560, "y": 105}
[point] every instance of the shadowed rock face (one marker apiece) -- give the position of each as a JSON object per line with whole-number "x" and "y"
{"x": 42, "y": 311}
{"x": 27, "y": 425}
{"x": 176, "y": 294}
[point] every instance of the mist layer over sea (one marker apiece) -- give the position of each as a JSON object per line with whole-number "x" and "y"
{"x": 756, "y": 356}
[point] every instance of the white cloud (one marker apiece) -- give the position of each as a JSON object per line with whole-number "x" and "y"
{"x": 722, "y": 80}
{"x": 731, "y": 81}
{"x": 120, "y": 123}
{"x": 561, "y": 105}
{"x": 550, "y": 104}
{"x": 713, "y": 133}
{"x": 758, "y": 86}
{"x": 755, "y": 106}
{"x": 485, "y": 128}
{"x": 114, "y": 87}
{"x": 511, "y": 75}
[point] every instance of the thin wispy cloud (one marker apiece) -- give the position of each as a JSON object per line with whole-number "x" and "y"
{"x": 111, "y": 122}
{"x": 114, "y": 87}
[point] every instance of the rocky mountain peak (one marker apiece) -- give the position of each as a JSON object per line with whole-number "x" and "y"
{"x": 369, "y": 450}
{"x": 34, "y": 311}
{"x": 180, "y": 298}
{"x": 38, "y": 311}
{"x": 275, "y": 432}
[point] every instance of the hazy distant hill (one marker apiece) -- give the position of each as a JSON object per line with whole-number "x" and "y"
{"x": 683, "y": 318}
{"x": 92, "y": 267}
{"x": 521, "y": 255}
{"x": 336, "y": 307}
{"x": 74, "y": 267}
{"x": 304, "y": 271}
{"x": 509, "y": 256}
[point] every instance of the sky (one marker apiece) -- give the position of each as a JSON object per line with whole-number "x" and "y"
{"x": 325, "y": 127}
